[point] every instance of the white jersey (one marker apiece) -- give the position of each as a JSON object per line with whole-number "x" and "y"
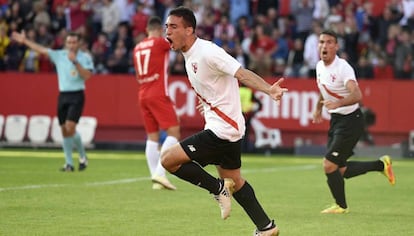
{"x": 211, "y": 73}
{"x": 332, "y": 81}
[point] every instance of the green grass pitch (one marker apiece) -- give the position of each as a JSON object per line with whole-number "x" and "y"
{"x": 114, "y": 197}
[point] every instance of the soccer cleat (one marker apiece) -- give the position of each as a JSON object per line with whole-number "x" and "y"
{"x": 83, "y": 163}
{"x": 224, "y": 198}
{"x": 273, "y": 231}
{"x": 335, "y": 209}
{"x": 388, "y": 169}
{"x": 270, "y": 232}
{"x": 164, "y": 182}
{"x": 157, "y": 186}
{"x": 67, "y": 168}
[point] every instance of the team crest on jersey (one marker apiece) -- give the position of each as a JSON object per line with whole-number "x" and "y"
{"x": 333, "y": 78}
{"x": 195, "y": 67}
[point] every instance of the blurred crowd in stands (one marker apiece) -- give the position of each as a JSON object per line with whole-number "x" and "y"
{"x": 253, "y": 31}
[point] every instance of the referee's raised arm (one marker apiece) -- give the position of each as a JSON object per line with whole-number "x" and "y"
{"x": 21, "y": 38}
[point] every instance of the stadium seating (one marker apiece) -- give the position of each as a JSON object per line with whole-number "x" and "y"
{"x": 86, "y": 128}
{"x": 1, "y": 125}
{"x": 411, "y": 141}
{"x": 56, "y": 133}
{"x": 266, "y": 137}
{"x": 39, "y": 128}
{"x": 15, "y": 128}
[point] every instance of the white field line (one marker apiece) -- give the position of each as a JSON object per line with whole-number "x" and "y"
{"x": 139, "y": 179}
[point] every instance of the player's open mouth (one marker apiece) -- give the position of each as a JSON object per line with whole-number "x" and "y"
{"x": 324, "y": 52}
{"x": 169, "y": 40}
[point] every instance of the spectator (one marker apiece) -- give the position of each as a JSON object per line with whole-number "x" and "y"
{"x": 206, "y": 28}
{"x": 403, "y": 56}
{"x": 392, "y": 41}
{"x": 226, "y": 43}
{"x": 41, "y": 16}
{"x": 303, "y": 11}
{"x": 178, "y": 66}
{"x": 282, "y": 50}
{"x": 95, "y": 17}
{"x": 374, "y": 53}
{"x": 310, "y": 54}
{"x": 243, "y": 29}
{"x": 250, "y": 106}
{"x": 126, "y": 9}
{"x": 390, "y": 16}
{"x": 364, "y": 70}
{"x": 272, "y": 20}
{"x": 261, "y": 49}
{"x": 321, "y": 10}
{"x": 58, "y": 19}
{"x": 279, "y": 68}
{"x": 261, "y": 6}
{"x": 408, "y": 11}
{"x": 4, "y": 43}
{"x": 43, "y": 36}
{"x": 118, "y": 61}
{"x": 110, "y": 18}
{"x": 123, "y": 34}
{"x": 139, "y": 20}
{"x": 296, "y": 66}
{"x": 238, "y": 8}
{"x": 13, "y": 56}
{"x": 26, "y": 10}
{"x": 240, "y": 56}
{"x": 100, "y": 51}
{"x": 348, "y": 38}
{"x": 59, "y": 40}
{"x": 30, "y": 60}
{"x": 224, "y": 26}
{"x": 382, "y": 70}
{"x": 78, "y": 12}
{"x": 13, "y": 14}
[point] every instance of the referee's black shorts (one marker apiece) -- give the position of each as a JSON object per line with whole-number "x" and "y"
{"x": 206, "y": 148}
{"x": 70, "y": 106}
{"x": 343, "y": 135}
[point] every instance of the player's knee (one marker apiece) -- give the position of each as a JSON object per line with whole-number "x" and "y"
{"x": 166, "y": 157}
{"x": 329, "y": 166}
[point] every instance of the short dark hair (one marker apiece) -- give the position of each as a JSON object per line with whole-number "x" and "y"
{"x": 187, "y": 15}
{"x": 73, "y": 34}
{"x": 331, "y": 33}
{"x": 154, "y": 23}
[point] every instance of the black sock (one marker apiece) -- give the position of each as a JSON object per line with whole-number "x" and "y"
{"x": 355, "y": 168}
{"x": 337, "y": 186}
{"x": 195, "y": 174}
{"x": 247, "y": 199}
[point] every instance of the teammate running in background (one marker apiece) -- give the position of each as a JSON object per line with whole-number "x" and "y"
{"x": 151, "y": 66}
{"x": 341, "y": 95}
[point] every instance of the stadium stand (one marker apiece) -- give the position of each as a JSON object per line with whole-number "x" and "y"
{"x": 86, "y": 128}
{"x": 39, "y": 129}
{"x": 15, "y": 128}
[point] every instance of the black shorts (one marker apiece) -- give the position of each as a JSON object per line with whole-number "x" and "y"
{"x": 70, "y": 106}
{"x": 206, "y": 148}
{"x": 343, "y": 135}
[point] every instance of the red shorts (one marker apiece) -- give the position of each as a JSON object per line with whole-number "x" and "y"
{"x": 158, "y": 113}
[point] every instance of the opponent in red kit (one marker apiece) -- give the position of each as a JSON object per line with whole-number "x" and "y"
{"x": 151, "y": 66}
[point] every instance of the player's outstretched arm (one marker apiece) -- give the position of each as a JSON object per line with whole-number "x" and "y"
{"x": 254, "y": 81}
{"x": 21, "y": 38}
